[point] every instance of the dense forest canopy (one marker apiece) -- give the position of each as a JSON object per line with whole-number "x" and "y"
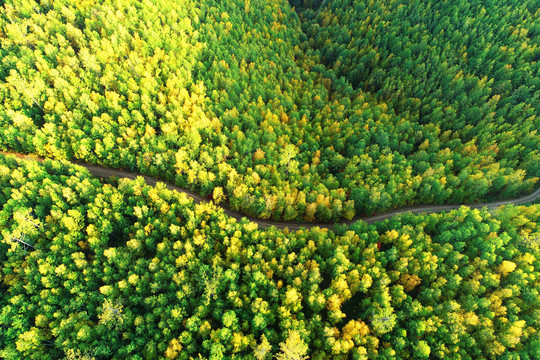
{"x": 470, "y": 67}
{"x": 306, "y": 110}
{"x": 125, "y": 270}
{"x": 354, "y": 108}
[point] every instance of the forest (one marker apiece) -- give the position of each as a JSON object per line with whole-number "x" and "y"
{"x": 120, "y": 270}
{"x": 283, "y": 116}
{"x": 308, "y": 111}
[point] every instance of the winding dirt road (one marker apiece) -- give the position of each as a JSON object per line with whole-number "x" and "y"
{"x": 104, "y": 172}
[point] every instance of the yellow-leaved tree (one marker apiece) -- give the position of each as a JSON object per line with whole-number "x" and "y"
{"x": 294, "y": 348}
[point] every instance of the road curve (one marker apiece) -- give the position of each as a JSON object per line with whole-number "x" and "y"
{"x": 103, "y": 172}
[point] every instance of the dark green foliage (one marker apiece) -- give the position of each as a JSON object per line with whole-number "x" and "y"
{"x": 468, "y": 67}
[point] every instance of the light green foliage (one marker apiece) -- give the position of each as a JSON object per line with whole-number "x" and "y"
{"x": 28, "y": 341}
{"x": 263, "y": 350}
{"x": 285, "y": 117}
{"x": 383, "y": 321}
{"x": 352, "y": 108}
{"x": 127, "y": 282}
{"x": 78, "y": 355}
{"x": 111, "y": 313}
{"x": 422, "y": 349}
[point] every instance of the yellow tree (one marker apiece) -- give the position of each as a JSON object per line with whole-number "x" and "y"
{"x": 294, "y": 348}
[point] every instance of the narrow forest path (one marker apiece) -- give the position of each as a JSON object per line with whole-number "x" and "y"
{"x": 104, "y": 172}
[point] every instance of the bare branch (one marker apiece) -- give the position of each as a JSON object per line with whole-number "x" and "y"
{"x": 23, "y": 34}
{"x": 22, "y": 83}
{"x": 31, "y": 222}
{"x": 20, "y": 239}
{"x": 133, "y": 68}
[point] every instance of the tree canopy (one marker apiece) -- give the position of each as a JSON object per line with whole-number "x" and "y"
{"x": 124, "y": 270}
{"x": 351, "y": 108}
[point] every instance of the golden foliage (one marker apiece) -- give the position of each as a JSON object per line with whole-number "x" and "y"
{"x": 294, "y": 348}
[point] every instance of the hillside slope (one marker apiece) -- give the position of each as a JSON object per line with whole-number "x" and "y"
{"x": 230, "y": 100}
